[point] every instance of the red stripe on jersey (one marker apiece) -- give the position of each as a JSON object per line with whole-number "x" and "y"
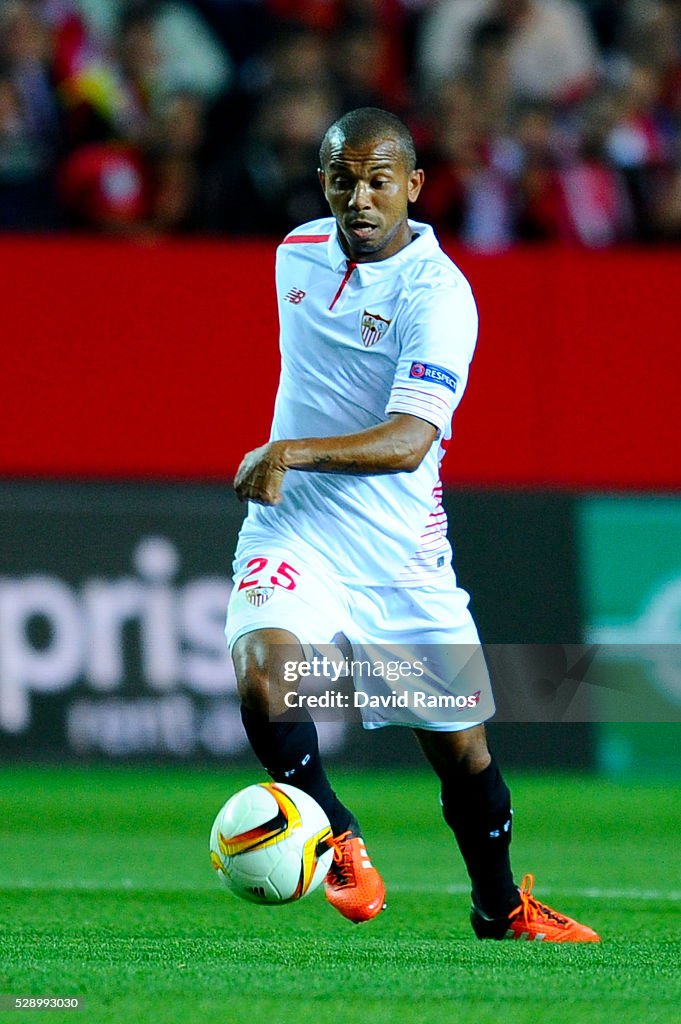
{"x": 428, "y": 550}
{"x": 432, "y": 542}
{"x": 425, "y": 560}
{"x": 418, "y": 572}
{"x": 433, "y": 531}
{"x": 348, "y": 274}
{"x": 301, "y": 239}
{"x": 434, "y": 520}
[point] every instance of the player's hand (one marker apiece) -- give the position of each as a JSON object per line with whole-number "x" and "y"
{"x": 260, "y": 475}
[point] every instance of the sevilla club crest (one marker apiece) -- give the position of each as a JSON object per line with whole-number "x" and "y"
{"x": 259, "y": 595}
{"x": 373, "y": 328}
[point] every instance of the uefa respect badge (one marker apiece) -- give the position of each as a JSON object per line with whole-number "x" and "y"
{"x": 434, "y": 375}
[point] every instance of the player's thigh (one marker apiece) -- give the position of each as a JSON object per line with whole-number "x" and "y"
{"x": 430, "y": 632}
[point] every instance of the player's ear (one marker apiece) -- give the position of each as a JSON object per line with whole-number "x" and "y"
{"x": 415, "y": 184}
{"x": 322, "y": 181}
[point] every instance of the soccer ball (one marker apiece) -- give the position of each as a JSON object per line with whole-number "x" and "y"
{"x": 270, "y": 843}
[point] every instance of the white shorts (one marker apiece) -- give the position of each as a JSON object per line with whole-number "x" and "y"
{"x": 428, "y": 627}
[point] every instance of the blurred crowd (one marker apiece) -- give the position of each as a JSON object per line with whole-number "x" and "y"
{"x": 534, "y": 119}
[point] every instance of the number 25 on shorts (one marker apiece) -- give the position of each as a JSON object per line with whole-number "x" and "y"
{"x": 256, "y": 566}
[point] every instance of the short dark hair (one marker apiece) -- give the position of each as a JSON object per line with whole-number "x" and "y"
{"x": 367, "y": 124}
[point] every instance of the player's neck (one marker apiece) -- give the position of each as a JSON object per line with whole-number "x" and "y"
{"x": 400, "y": 240}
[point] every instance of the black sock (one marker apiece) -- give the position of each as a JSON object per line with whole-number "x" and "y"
{"x": 477, "y": 808}
{"x": 289, "y": 752}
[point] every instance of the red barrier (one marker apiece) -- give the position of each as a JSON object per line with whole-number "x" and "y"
{"x": 160, "y": 360}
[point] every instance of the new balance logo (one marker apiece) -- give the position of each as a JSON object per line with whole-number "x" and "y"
{"x": 295, "y": 295}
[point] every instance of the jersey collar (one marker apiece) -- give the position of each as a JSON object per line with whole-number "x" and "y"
{"x": 369, "y": 273}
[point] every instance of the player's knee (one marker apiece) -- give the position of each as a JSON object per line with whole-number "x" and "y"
{"x": 258, "y": 663}
{"x": 255, "y": 695}
{"x": 455, "y": 755}
{"x": 471, "y": 754}
{"x": 252, "y": 675}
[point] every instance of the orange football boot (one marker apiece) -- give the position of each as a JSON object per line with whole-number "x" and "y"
{"x": 533, "y": 921}
{"x": 353, "y": 885}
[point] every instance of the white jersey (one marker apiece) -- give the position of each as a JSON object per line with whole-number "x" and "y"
{"x": 360, "y": 341}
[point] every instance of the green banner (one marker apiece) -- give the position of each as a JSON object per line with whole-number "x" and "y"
{"x": 631, "y": 556}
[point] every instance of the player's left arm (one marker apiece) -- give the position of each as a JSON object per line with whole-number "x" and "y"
{"x": 437, "y": 336}
{"x": 397, "y": 445}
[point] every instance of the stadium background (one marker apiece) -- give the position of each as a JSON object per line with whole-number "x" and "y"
{"x": 135, "y": 377}
{"x": 139, "y": 145}
{"x": 151, "y": 155}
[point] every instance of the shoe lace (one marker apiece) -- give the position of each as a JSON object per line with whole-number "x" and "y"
{"x": 530, "y": 907}
{"x": 342, "y": 866}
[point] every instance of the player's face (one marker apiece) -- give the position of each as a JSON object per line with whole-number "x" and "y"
{"x": 368, "y": 188}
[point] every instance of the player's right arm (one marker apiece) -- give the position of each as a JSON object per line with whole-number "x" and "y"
{"x": 398, "y": 445}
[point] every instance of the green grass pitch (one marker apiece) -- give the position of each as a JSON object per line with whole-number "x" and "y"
{"x": 107, "y": 893}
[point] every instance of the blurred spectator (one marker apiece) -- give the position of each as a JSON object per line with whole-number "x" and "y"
{"x": 464, "y": 194}
{"x": 606, "y": 17}
{"x": 106, "y": 187}
{"x": 490, "y": 73}
{"x": 29, "y": 126}
{"x": 668, "y": 212}
{"x": 529, "y": 179}
{"x": 358, "y": 60}
{"x": 552, "y": 56}
{"x": 568, "y": 192}
{"x": 187, "y": 54}
{"x": 26, "y": 53}
{"x": 271, "y": 183}
{"x": 126, "y": 189}
{"x": 534, "y": 119}
{"x": 640, "y": 142}
{"x": 296, "y": 56}
{"x": 116, "y": 62}
{"x": 176, "y": 154}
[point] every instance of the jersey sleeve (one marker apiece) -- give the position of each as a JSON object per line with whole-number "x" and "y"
{"x": 437, "y": 340}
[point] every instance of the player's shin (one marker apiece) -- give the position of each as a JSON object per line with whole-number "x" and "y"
{"x": 477, "y": 808}
{"x": 289, "y": 752}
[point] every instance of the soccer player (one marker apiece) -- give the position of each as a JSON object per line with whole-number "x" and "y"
{"x": 345, "y": 537}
